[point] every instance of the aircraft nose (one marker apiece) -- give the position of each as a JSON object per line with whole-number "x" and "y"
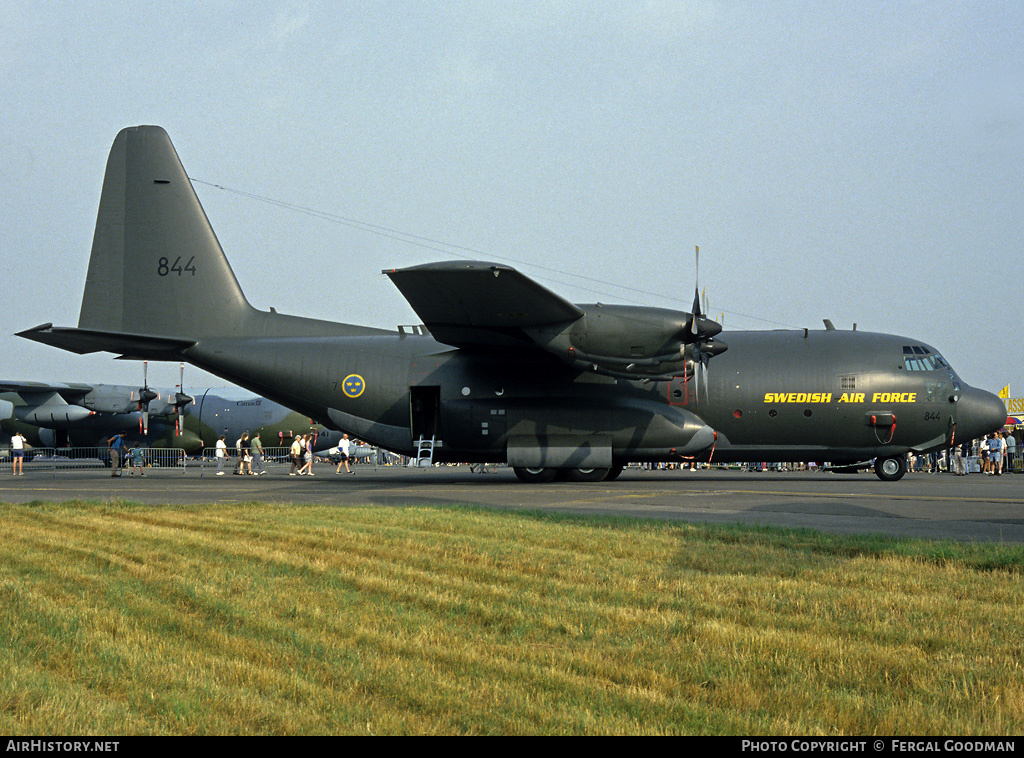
{"x": 979, "y": 413}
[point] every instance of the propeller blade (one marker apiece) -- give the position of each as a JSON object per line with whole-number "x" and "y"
{"x": 145, "y": 395}
{"x": 696, "y": 373}
{"x": 704, "y": 358}
{"x": 696, "y": 291}
{"x": 181, "y": 391}
{"x": 180, "y": 401}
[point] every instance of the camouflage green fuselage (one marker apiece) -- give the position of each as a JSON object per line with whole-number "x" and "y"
{"x": 777, "y": 395}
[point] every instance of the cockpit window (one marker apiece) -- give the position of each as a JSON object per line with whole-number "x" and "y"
{"x": 918, "y": 358}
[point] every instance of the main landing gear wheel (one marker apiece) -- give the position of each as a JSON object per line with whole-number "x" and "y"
{"x": 535, "y": 475}
{"x": 890, "y": 469}
{"x": 587, "y": 474}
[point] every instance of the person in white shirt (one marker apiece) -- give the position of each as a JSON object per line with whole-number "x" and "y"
{"x": 296, "y": 454}
{"x": 344, "y": 446}
{"x": 995, "y": 454}
{"x": 222, "y": 455}
{"x": 17, "y": 454}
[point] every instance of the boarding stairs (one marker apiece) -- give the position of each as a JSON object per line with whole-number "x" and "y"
{"x": 424, "y": 452}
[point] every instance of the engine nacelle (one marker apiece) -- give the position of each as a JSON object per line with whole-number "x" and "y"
{"x": 48, "y": 409}
{"x": 52, "y": 416}
{"x": 632, "y": 342}
{"x": 112, "y": 399}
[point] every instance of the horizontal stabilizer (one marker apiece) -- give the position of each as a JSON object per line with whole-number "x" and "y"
{"x": 478, "y": 304}
{"x": 130, "y": 346}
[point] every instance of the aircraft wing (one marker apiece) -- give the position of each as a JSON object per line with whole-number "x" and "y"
{"x": 66, "y": 391}
{"x": 478, "y": 304}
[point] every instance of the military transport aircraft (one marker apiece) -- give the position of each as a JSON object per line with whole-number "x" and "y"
{"x": 506, "y": 370}
{"x": 87, "y": 415}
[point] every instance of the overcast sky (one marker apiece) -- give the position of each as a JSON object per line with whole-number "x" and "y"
{"x": 858, "y": 161}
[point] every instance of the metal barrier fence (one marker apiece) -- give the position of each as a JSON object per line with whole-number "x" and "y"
{"x": 68, "y": 459}
{"x": 233, "y": 463}
{"x": 54, "y": 460}
{"x": 278, "y": 460}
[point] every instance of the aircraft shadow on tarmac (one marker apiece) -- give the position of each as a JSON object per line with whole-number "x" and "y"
{"x": 398, "y": 501}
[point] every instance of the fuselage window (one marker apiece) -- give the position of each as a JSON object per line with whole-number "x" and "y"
{"x": 935, "y": 391}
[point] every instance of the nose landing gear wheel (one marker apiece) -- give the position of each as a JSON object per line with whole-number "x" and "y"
{"x": 890, "y": 469}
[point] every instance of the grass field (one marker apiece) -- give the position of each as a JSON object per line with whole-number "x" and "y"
{"x": 251, "y": 619}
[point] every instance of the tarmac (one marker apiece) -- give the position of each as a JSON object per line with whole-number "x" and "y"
{"x": 977, "y": 507}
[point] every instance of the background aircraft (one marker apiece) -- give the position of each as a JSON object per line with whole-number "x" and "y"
{"x": 87, "y": 415}
{"x": 510, "y": 371}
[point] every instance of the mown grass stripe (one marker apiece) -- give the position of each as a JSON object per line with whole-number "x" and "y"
{"x": 124, "y": 618}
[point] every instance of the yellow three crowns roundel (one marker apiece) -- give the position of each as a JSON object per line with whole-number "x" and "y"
{"x": 353, "y": 385}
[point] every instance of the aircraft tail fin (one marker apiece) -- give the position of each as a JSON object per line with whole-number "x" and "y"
{"x": 157, "y": 268}
{"x": 158, "y": 281}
